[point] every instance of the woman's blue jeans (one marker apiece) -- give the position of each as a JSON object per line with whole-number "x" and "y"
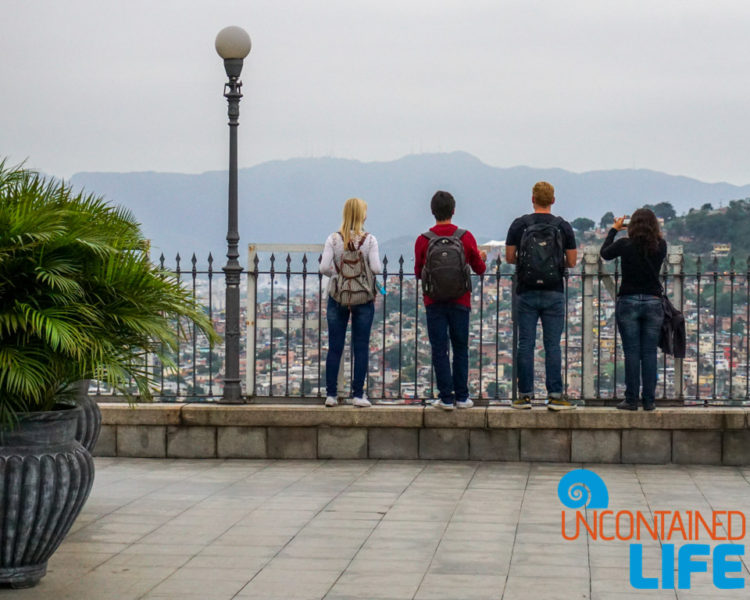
{"x": 639, "y": 319}
{"x": 338, "y": 318}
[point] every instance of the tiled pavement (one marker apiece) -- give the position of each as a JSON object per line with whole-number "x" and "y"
{"x": 222, "y": 529}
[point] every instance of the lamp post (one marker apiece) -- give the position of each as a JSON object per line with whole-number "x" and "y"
{"x": 233, "y": 45}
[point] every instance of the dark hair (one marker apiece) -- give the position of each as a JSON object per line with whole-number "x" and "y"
{"x": 442, "y": 205}
{"x": 644, "y": 230}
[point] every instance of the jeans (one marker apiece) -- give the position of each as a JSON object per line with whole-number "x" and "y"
{"x": 532, "y": 305}
{"x": 337, "y": 316}
{"x": 639, "y": 319}
{"x": 449, "y": 321}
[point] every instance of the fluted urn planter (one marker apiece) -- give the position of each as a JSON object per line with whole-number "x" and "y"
{"x": 45, "y": 478}
{"x": 90, "y": 417}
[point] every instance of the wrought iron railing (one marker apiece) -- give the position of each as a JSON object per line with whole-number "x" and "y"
{"x": 283, "y": 354}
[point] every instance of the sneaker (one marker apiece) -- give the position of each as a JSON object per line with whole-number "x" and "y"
{"x": 468, "y": 403}
{"x": 649, "y": 407}
{"x": 558, "y": 404}
{"x": 524, "y": 403}
{"x": 444, "y": 405}
{"x": 625, "y": 405}
{"x": 362, "y": 402}
{"x": 331, "y": 401}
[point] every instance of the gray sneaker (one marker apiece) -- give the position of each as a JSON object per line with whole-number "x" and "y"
{"x": 468, "y": 403}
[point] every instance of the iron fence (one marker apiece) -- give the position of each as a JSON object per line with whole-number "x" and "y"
{"x": 283, "y": 354}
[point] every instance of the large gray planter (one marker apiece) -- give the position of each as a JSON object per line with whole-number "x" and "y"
{"x": 90, "y": 417}
{"x": 45, "y": 478}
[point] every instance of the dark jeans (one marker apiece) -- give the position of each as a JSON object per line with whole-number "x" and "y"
{"x": 450, "y": 321}
{"x": 549, "y": 306}
{"x": 338, "y": 318}
{"x": 639, "y": 319}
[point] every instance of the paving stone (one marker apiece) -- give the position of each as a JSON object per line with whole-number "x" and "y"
{"x": 736, "y": 448}
{"x": 106, "y": 445}
{"x": 292, "y": 442}
{"x": 445, "y": 444}
{"x": 595, "y": 446}
{"x": 393, "y": 443}
{"x": 547, "y": 445}
{"x": 142, "y": 441}
{"x": 494, "y": 444}
{"x": 191, "y": 442}
{"x": 696, "y": 447}
{"x": 342, "y": 442}
{"x": 646, "y": 446}
{"x": 241, "y": 442}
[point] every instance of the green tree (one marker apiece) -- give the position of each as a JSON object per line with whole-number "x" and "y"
{"x": 663, "y": 210}
{"x": 582, "y": 224}
{"x": 607, "y": 219}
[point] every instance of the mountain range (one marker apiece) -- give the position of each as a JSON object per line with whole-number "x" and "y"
{"x": 299, "y": 200}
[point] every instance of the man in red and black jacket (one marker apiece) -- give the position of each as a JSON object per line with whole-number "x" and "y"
{"x": 449, "y": 320}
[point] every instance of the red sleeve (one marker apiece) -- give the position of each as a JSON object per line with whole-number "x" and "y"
{"x": 472, "y": 253}
{"x": 420, "y": 255}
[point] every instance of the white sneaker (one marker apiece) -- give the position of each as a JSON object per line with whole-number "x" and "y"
{"x": 362, "y": 402}
{"x": 468, "y": 403}
{"x": 444, "y": 405}
{"x": 332, "y": 401}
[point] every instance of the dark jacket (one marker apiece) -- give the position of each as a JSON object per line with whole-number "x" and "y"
{"x": 673, "y": 338}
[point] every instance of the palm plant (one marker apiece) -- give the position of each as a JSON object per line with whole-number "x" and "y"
{"x": 79, "y": 297}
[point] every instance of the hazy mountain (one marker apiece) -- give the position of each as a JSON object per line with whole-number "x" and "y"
{"x": 300, "y": 200}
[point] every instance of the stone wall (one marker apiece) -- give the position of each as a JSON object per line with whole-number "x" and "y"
{"x": 713, "y": 436}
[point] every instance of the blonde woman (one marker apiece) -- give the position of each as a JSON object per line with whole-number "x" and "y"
{"x": 351, "y": 235}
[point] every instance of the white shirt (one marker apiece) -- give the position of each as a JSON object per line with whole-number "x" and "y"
{"x": 334, "y": 250}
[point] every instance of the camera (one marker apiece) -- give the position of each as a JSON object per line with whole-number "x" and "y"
{"x": 626, "y": 221}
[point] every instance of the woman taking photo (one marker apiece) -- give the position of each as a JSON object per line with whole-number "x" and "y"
{"x": 639, "y": 310}
{"x": 354, "y": 242}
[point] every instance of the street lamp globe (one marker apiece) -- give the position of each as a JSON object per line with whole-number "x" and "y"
{"x": 233, "y": 42}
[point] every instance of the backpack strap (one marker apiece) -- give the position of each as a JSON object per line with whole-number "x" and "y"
{"x": 430, "y": 235}
{"x": 459, "y": 233}
{"x": 362, "y": 241}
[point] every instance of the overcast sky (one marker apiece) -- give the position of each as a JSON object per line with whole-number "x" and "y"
{"x": 135, "y": 85}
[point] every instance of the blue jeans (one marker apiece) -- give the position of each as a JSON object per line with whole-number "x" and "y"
{"x": 338, "y": 318}
{"x": 532, "y": 305}
{"x": 639, "y": 319}
{"x": 449, "y": 321}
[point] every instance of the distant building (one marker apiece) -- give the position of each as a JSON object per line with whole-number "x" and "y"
{"x": 721, "y": 250}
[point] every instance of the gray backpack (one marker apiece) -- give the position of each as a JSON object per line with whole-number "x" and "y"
{"x": 354, "y": 282}
{"x": 445, "y": 275}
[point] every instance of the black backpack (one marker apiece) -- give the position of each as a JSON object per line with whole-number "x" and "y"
{"x": 445, "y": 275}
{"x": 541, "y": 254}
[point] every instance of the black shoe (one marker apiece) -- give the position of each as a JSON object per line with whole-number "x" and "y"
{"x": 625, "y": 405}
{"x": 651, "y": 406}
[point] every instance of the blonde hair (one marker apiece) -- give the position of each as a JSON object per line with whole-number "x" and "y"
{"x": 353, "y": 219}
{"x": 543, "y": 194}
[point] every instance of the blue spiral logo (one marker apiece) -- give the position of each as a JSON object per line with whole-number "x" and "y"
{"x": 583, "y": 488}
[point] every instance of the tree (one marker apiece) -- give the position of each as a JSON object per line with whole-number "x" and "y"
{"x": 583, "y": 224}
{"x": 607, "y": 219}
{"x": 663, "y": 210}
{"x": 707, "y": 206}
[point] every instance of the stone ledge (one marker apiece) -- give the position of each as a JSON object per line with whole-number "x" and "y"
{"x": 611, "y": 418}
{"x": 290, "y": 415}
